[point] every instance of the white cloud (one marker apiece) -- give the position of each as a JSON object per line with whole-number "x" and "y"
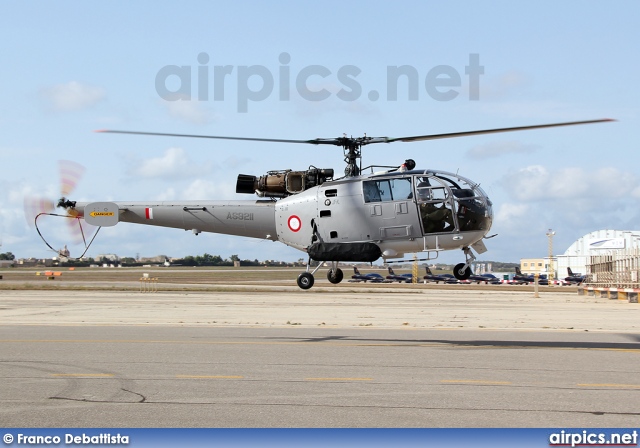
{"x": 205, "y": 189}
{"x": 73, "y": 96}
{"x": 573, "y": 201}
{"x": 510, "y": 214}
{"x": 188, "y": 110}
{"x": 167, "y": 195}
{"x": 527, "y": 183}
{"x": 536, "y": 183}
{"x": 174, "y": 164}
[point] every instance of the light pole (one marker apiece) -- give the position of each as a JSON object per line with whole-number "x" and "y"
{"x": 550, "y": 234}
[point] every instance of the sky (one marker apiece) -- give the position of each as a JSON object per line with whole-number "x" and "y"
{"x": 298, "y": 70}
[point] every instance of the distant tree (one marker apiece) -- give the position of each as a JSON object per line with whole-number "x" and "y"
{"x": 7, "y": 256}
{"x": 209, "y": 260}
{"x": 75, "y": 263}
{"x": 189, "y": 261}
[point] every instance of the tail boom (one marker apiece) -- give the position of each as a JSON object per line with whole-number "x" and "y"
{"x": 253, "y": 219}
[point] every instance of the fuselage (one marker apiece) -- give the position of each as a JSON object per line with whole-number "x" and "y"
{"x": 399, "y": 212}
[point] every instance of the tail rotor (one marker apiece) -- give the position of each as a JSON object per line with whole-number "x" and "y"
{"x": 35, "y": 207}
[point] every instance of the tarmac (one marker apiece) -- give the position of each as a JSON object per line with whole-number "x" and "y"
{"x": 358, "y": 305}
{"x": 352, "y": 355}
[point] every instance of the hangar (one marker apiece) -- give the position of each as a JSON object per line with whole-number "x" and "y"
{"x": 600, "y": 242}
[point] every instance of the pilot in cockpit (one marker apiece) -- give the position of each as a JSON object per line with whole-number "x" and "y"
{"x": 436, "y": 216}
{"x": 424, "y": 193}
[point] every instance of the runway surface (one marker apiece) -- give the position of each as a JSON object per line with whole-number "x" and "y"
{"x": 328, "y": 358}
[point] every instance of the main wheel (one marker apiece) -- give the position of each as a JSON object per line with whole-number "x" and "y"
{"x": 336, "y": 276}
{"x": 305, "y": 280}
{"x": 460, "y": 273}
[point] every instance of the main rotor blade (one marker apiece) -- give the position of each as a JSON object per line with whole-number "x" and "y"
{"x": 361, "y": 141}
{"x": 490, "y": 131}
{"x": 252, "y": 139}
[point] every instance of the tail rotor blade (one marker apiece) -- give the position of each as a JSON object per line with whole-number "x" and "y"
{"x": 80, "y": 231}
{"x": 33, "y": 206}
{"x": 70, "y": 175}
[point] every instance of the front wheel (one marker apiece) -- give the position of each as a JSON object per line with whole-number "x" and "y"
{"x": 460, "y": 273}
{"x": 336, "y": 276}
{"x": 305, "y": 280}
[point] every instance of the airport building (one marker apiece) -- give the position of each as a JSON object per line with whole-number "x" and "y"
{"x": 578, "y": 255}
{"x": 600, "y": 242}
{"x": 532, "y": 266}
{"x": 7, "y": 263}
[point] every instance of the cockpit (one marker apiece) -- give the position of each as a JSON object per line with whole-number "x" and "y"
{"x": 446, "y": 202}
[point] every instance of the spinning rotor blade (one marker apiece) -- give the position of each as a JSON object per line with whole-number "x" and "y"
{"x": 340, "y": 141}
{"x": 208, "y": 136}
{"x": 360, "y": 141}
{"x": 492, "y": 131}
{"x": 33, "y": 206}
{"x": 70, "y": 175}
{"x": 352, "y": 146}
{"x": 80, "y": 231}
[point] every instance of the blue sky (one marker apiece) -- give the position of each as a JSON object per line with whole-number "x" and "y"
{"x": 72, "y": 67}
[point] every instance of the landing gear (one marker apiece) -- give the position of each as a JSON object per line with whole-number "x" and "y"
{"x": 305, "y": 280}
{"x": 335, "y": 275}
{"x": 462, "y": 271}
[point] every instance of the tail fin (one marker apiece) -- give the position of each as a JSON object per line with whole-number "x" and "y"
{"x": 355, "y": 271}
{"x": 518, "y": 271}
{"x": 569, "y": 271}
{"x": 391, "y": 271}
{"x": 428, "y": 270}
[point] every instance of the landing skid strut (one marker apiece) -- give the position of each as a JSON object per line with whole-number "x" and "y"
{"x": 462, "y": 271}
{"x": 306, "y": 279}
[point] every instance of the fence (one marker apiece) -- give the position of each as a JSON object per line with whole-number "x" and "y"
{"x": 616, "y": 269}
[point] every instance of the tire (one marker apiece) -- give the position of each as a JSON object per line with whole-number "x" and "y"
{"x": 305, "y": 280}
{"x": 460, "y": 274}
{"x": 335, "y": 277}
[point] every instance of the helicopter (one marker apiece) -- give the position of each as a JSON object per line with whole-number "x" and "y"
{"x": 355, "y": 218}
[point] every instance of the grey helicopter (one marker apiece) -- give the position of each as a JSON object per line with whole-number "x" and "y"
{"x": 359, "y": 217}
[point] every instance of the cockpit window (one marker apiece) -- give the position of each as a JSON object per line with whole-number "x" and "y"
{"x": 400, "y": 189}
{"x": 435, "y": 206}
{"x": 387, "y": 190}
{"x": 430, "y": 190}
{"x": 462, "y": 199}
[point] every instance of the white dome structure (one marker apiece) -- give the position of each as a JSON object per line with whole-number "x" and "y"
{"x": 600, "y": 242}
